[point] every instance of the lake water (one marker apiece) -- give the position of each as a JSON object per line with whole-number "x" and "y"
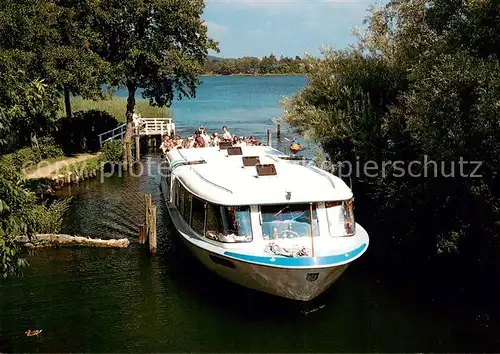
{"x": 245, "y": 104}
{"x": 101, "y": 300}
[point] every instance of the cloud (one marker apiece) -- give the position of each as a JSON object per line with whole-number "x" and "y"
{"x": 215, "y": 30}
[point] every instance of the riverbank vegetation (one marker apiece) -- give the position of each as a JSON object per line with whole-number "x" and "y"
{"x": 116, "y": 108}
{"x": 421, "y": 85}
{"x": 53, "y": 51}
{"x": 268, "y": 65}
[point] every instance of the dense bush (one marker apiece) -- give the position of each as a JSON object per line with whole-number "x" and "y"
{"x": 80, "y": 133}
{"x": 112, "y": 151}
{"x": 416, "y": 88}
{"x": 49, "y": 149}
{"x": 30, "y": 156}
{"x": 48, "y": 217}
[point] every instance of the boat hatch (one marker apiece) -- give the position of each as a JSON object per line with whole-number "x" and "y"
{"x": 250, "y": 161}
{"x": 225, "y": 144}
{"x": 236, "y": 150}
{"x": 266, "y": 170}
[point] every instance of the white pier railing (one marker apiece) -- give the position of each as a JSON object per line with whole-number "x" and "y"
{"x": 148, "y": 126}
{"x": 113, "y": 134}
{"x": 157, "y": 126}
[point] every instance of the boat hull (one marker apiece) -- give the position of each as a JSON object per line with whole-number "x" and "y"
{"x": 292, "y": 283}
{"x": 296, "y": 283}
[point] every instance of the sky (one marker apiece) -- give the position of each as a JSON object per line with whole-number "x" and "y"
{"x": 283, "y": 27}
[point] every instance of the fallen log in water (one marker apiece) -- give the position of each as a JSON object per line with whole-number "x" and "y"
{"x": 50, "y": 240}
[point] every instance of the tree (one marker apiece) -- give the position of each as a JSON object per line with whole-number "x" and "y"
{"x": 159, "y": 46}
{"x": 19, "y": 100}
{"x": 26, "y": 106}
{"x": 422, "y": 82}
{"x": 53, "y": 41}
{"x": 268, "y": 64}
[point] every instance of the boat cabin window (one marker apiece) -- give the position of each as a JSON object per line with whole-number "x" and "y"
{"x": 177, "y": 197}
{"x": 288, "y": 221}
{"x": 198, "y": 215}
{"x": 340, "y": 215}
{"x": 220, "y": 223}
{"x": 185, "y": 203}
{"x": 228, "y": 224}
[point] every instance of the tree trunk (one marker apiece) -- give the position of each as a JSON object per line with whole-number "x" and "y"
{"x": 67, "y": 102}
{"x": 127, "y": 153}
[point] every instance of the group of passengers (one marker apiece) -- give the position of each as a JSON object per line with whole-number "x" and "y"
{"x": 203, "y": 139}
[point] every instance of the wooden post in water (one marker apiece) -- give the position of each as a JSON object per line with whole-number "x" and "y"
{"x": 278, "y": 129}
{"x": 147, "y": 198}
{"x": 148, "y": 230}
{"x": 152, "y": 231}
{"x": 137, "y": 147}
{"x": 269, "y": 137}
{"x": 142, "y": 234}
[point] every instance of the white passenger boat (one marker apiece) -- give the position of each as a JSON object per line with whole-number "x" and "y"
{"x": 256, "y": 217}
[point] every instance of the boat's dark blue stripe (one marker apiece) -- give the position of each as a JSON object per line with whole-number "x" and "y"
{"x": 299, "y": 261}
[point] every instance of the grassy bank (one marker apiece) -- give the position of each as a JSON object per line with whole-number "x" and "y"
{"x": 116, "y": 107}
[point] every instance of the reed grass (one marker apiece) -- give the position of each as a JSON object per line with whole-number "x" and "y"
{"x": 116, "y": 107}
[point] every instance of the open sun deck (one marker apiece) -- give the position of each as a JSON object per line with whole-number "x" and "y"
{"x": 220, "y": 176}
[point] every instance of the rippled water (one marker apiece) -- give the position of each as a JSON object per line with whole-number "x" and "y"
{"x": 99, "y": 300}
{"x": 123, "y": 300}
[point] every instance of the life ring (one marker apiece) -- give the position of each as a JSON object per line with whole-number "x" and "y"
{"x": 289, "y": 232}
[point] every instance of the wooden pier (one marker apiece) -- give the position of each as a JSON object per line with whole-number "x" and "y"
{"x": 149, "y": 127}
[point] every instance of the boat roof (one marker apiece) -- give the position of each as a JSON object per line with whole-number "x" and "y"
{"x": 213, "y": 175}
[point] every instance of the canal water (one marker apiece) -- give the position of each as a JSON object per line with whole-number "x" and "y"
{"x": 123, "y": 300}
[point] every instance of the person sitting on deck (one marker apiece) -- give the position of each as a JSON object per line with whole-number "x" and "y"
{"x": 215, "y": 139}
{"x": 225, "y": 133}
{"x": 164, "y": 147}
{"x": 239, "y": 141}
{"x": 199, "y": 142}
{"x": 205, "y": 136}
{"x": 177, "y": 142}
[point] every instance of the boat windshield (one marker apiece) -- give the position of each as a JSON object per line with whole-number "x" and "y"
{"x": 288, "y": 221}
